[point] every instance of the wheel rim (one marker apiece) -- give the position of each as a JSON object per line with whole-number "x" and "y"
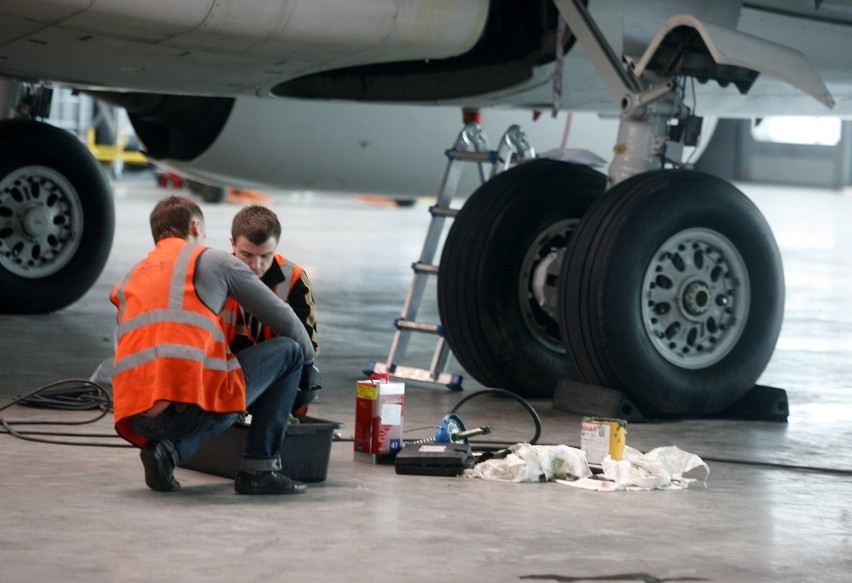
{"x": 695, "y": 299}
{"x": 538, "y": 290}
{"x": 41, "y": 222}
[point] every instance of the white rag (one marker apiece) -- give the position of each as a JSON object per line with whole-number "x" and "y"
{"x": 533, "y": 463}
{"x": 659, "y": 469}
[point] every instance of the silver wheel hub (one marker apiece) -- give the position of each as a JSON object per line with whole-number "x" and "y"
{"x": 538, "y": 283}
{"x": 41, "y": 222}
{"x": 36, "y": 222}
{"x": 695, "y": 298}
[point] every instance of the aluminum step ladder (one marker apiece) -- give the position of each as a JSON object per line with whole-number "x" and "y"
{"x": 470, "y": 146}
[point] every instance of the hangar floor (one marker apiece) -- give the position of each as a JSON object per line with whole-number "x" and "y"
{"x": 775, "y": 506}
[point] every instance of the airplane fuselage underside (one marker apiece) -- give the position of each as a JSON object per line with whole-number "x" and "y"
{"x": 654, "y": 280}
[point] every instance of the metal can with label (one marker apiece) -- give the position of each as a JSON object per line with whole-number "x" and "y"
{"x": 601, "y": 437}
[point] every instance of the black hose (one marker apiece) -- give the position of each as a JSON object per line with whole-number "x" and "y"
{"x": 505, "y": 393}
{"x": 69, "y": 395}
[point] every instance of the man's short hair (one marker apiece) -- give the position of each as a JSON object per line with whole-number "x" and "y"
{"x": 172, "y": 217}
{"x": 257, "y": 224}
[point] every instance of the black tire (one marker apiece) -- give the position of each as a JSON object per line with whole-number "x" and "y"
{"x": 500, "y": 240}
{"x": 673, "y": 292}
{"x": 57, "y": 218}
{"x": 208, "y": 192}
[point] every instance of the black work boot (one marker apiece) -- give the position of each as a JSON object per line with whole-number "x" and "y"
{"x": 269, "y": 482}
{"x": 160, "y": 459}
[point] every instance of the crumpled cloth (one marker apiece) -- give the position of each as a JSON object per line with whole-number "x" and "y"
{"x": 533, "y": 463}
{"x": 659, "y": 469}
{"x": 662, "y": 468}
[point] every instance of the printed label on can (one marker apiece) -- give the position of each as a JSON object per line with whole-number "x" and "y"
{"x": 601, "y": 437}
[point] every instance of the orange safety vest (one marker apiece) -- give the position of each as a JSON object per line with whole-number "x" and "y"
{"x": 170, "y": 345}
{"x": 230, "y": 319}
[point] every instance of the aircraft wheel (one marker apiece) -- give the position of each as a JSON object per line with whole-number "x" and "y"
{"x": 672, "y": 291}
{"x": 497, "y": 293}
{"x": 57, "y": 218}
{"x": 208, "y": 192}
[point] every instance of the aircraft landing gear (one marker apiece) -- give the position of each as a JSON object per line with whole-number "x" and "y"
{"x": 56, "y": 218}
{"x": 670, "y": 287}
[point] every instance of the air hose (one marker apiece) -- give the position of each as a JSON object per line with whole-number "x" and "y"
{"x": 502, "y": 392}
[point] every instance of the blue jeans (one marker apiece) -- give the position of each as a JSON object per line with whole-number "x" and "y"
{"x": 272, "y": 369}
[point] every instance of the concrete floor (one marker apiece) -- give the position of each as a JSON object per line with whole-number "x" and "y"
{"x": 776, "y": 505}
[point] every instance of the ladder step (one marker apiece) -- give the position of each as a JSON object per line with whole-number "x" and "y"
{"x": 425, "y": 268}
{"x": 440, "y": 211}
{"x": 418, "y": 326}
{"x": 490, "y": 156}
{"x": 450, "y": 380}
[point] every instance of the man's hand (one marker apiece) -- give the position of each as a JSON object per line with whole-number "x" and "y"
{"x": 310, "y": 380}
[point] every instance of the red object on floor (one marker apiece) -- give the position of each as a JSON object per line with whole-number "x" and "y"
{"x": 170, "y": 180}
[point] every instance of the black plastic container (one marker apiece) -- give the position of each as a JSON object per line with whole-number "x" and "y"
{"x": 304, "y": 456}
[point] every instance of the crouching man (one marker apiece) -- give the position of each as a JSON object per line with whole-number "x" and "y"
{"x": 176, "y": 382}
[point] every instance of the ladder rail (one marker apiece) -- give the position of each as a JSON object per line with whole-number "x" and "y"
{"x": 471, "y": 139}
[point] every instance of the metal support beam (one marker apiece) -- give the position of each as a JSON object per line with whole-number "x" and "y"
{"x": 645, "y": 112}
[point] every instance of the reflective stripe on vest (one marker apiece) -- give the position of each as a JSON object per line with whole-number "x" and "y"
{"x": 174, "y": 351}
{"x": 292, "y": 274}
{"x": 170, "y": 345}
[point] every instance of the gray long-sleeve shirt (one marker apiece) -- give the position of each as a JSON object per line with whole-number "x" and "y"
{"x": 219, "y": 274}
